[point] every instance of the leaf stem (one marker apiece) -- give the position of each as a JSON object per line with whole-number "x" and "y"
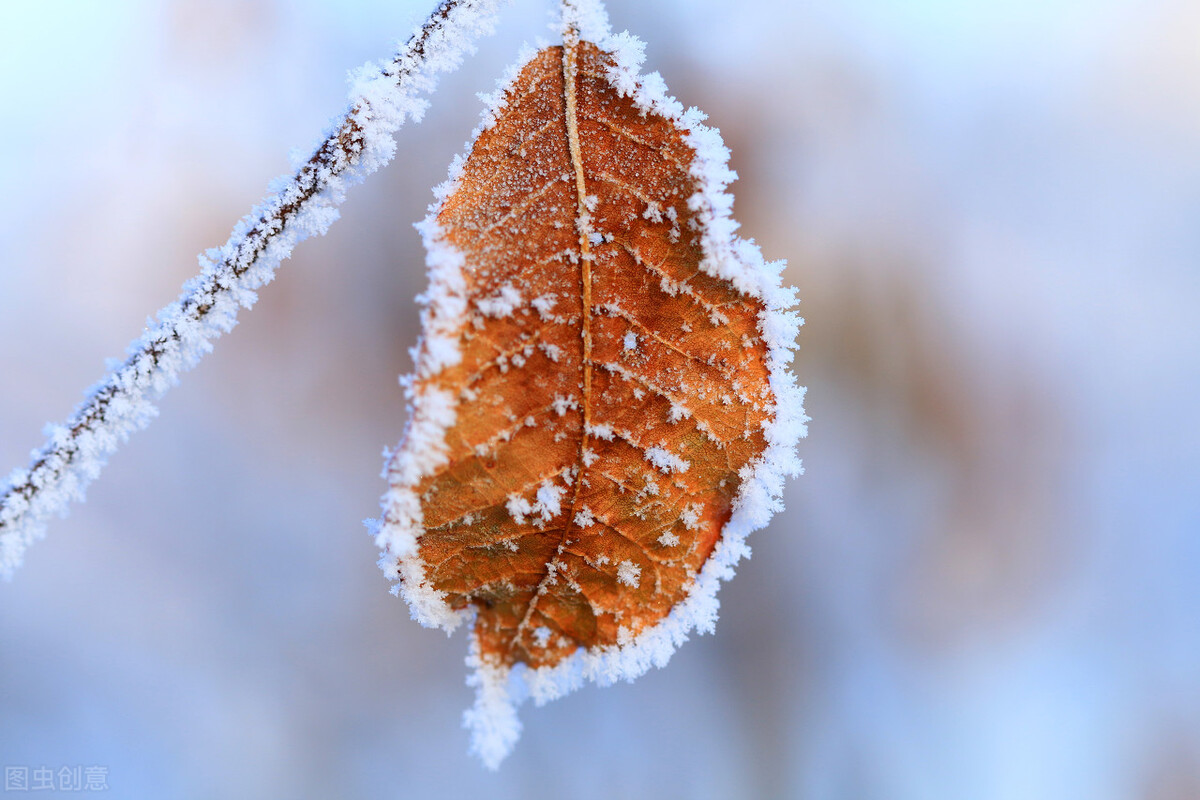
{"x": 359, "y": 143}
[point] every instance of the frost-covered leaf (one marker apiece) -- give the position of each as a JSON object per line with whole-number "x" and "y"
{"x": 602, "y": 407}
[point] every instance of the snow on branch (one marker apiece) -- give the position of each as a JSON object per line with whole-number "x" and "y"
{"x": 304, "y": 204}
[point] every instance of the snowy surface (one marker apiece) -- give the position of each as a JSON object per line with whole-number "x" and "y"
{"x": 984, "y": 587}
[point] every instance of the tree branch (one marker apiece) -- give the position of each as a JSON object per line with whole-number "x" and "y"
{"x": 302, "y": 205}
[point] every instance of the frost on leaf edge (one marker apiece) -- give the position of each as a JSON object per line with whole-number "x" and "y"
{"x": 432, "y": 412}
{"x": 493, "y": 720}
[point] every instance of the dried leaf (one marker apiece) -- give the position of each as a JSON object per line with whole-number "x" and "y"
{"x": 602, "y": 407}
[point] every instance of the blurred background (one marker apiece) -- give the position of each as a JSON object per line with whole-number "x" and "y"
{"x": 986, "y": 586}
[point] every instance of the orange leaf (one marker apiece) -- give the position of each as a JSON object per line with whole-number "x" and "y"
{"x": 602, "y": 407}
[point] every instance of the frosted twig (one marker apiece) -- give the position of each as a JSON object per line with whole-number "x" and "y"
{"x": 301, "y": 205}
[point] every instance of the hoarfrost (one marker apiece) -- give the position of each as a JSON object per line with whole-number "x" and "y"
{"x": 666, "y": 461}
{"x": 691, "y": 517}
{"x": 602, "y": 431}
{"x": 678, "y": 411}
{"x": 629, "y": 574}
{"x": 499, "y": 690}
{"x": 518, "y": 508}
{"x": 549, "y": 501}
{"x": 562, "y": 405}
{"x": 544, "y": 305}
{"x": 502, "y": 304}
{"x": 382, "y": 98}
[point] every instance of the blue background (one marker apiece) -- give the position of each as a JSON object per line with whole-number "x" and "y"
{"x": 987, "y": 585}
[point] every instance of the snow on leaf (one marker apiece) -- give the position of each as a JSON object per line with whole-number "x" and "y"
{"x": 591, "y": 210}
{"x": 666, "y": 461}
{"x": 629, "y": 574}
{"x": 503, "y": 304}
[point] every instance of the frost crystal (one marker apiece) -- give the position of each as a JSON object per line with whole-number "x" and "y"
{"x": 629, "y": 573}
{"x": 603, "y": 431}
{"x": 666, "y": 461}
{"x": 544, "y": 305}
{"x": 518, "y": 508}
{"x": 549, "y": 501}
{"x": 503, "y": 304}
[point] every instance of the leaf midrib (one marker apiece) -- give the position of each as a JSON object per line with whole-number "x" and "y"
{"x": 570, "y": 63}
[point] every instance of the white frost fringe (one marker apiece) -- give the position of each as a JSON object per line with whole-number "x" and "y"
{"x": 493, "y": 720}
{"x": 382, "y": 97}
{"x": 431, "y": 411}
